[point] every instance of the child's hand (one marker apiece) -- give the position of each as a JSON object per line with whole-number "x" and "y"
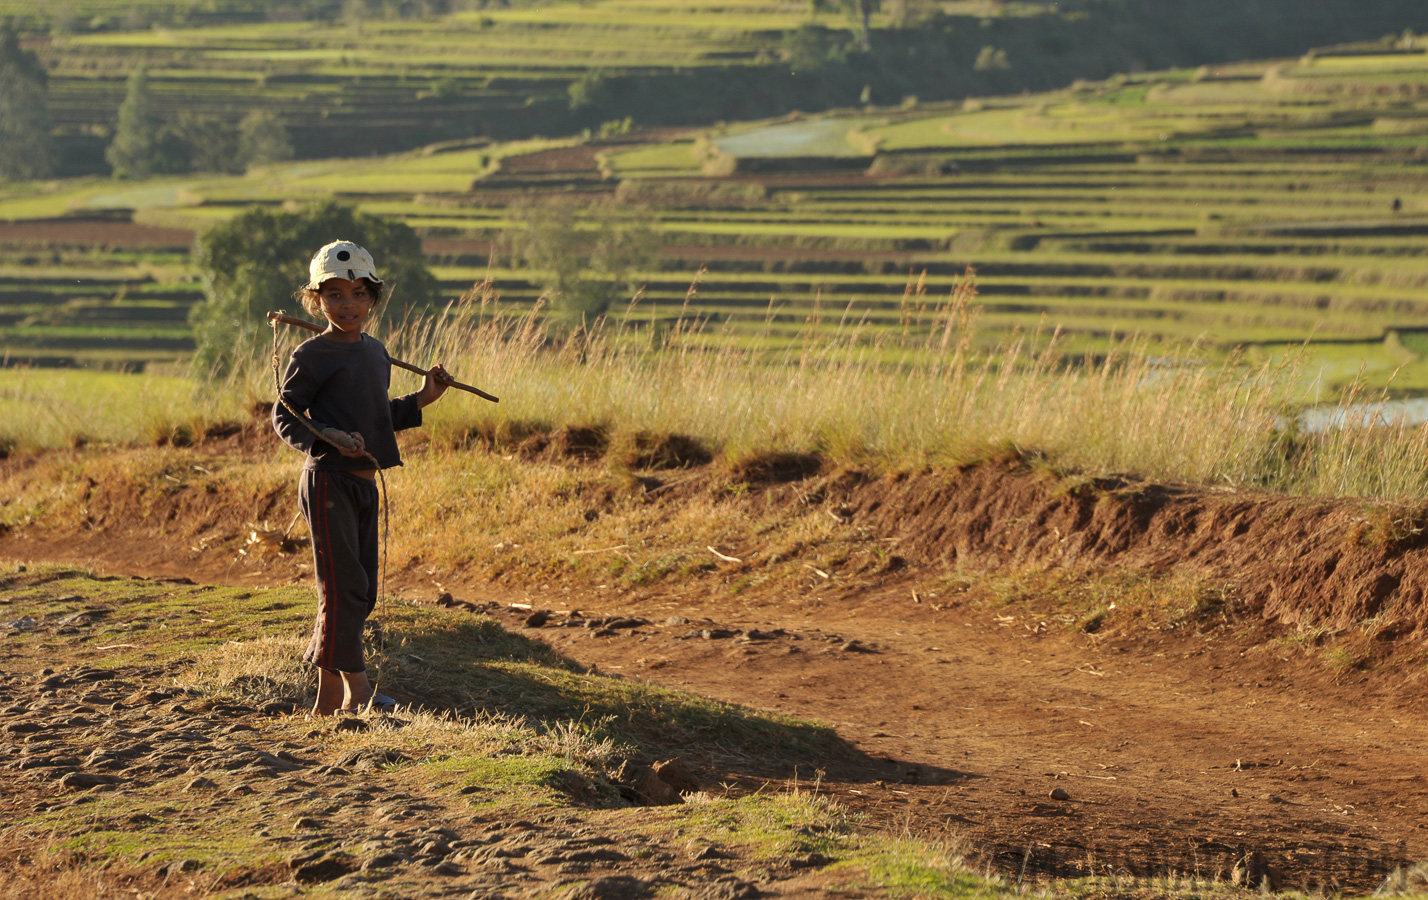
{"x": 434, "y": 386}
{"x": 347, "y": 444}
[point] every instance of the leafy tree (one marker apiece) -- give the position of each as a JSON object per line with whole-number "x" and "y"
{"x": 809, "y": 48}
{"x": 255, "y": 261}
{"x": 262, "y": 139}
{"x": 991, "y": 59}
{"x": 205, "y": 143}
{"x": 26, "y": 147}
{"x": 590, "y": 89}
{"x": 909, "y": 13}
{"x": 586, "y": 268}
{"x": 860, "y": 11}
{"x": 142, "y": 146}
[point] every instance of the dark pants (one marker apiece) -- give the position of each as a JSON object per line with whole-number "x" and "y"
{"x": 341, "y": 512}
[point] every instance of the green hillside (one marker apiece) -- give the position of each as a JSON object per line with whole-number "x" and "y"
{"x": 404, "y": 75}
{"x": 1250, "y": 205}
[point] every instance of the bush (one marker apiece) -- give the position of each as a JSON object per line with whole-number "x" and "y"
{"x": 255, "y": 261}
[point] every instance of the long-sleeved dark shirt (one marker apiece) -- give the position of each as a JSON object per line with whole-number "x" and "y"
{"x": 343, "y": 385}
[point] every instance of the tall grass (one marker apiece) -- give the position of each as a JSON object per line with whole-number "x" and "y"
{"x": 46, "y": 408}
{"x": 933, "y": 393}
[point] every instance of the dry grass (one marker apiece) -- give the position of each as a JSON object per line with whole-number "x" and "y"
{"x": 447, "y": 746}
{"x": 934, "y": 392}
{"x": 45, "y": 408}
{"x": 261, "y": 669}
{"x": 55, "y": 874}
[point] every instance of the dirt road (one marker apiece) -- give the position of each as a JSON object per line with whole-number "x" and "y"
{"x": 1176, "y": 751}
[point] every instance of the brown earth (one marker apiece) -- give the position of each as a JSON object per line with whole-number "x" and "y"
{"x": 1279, "y": 709}
{"x": 102, "y": 233}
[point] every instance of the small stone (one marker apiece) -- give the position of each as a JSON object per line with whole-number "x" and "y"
{"x": 201, "y": 784}
{"x": 306, "y": 823}
{"x": 675, "y": 773}
{"x": 676, "y": 621}
{"x": 609, "y": 887}
{"x": 78, "y": 781}
{"x": 241, "y": 790}
{"x": 652, "y": 789}
{"x": 182, "y": 865}
{"x": 716, "y": 634}
{"x": 435, "y": 848}
{"x": 1059, "y": 794}
{"x": 537, "y": 619}
{"x": 385, "y": 861}
{"x": 856, "y": 647}
{"x": 328, "y": 869}
{"x": 301, "y": 859}
{"x": 355, "y": 795}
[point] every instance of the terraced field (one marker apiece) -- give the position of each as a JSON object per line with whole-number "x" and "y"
{"x": 1254, "y": 205}
{"x": 498, "y": 72}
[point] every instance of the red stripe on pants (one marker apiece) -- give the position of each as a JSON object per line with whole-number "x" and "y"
{"x": 329, "y": 582}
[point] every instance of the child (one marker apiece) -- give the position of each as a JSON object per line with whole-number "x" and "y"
{"x": 336, "y": 386}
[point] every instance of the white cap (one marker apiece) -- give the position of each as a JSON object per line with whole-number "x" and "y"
{"x": 341, "y": 259}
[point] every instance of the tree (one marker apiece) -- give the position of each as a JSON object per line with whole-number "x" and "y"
{"x": 26, "y": 145}
{"x": 205, "y": 143}
{"x": 262, "y": 139}
{"x": 585, "y": 268}
{"x": 908, "y": 13}
{"x": 589, "y": 89}
{"x": 991, "y": 59}
{"x": 860, "y": 11}
{"x": 141, "y": 145}
{"x": 255, "y": 261}
{"x": 809, "y": 48}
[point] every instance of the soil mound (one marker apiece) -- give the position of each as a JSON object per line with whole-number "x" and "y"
{"x": 1327, "y": 565}
{"x": 1331, "y": 564}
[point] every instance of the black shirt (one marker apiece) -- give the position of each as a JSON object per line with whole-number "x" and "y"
{"x": 343, "y": 384}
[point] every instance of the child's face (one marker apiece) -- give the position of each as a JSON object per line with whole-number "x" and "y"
{"x": 346, "y": 304}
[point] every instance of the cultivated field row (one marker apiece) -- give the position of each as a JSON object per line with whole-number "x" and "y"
{"x": 1182, "y": 206}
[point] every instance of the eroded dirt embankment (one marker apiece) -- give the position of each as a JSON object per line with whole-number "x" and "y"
{"x": 1322, "y": 565}
{"x": 1335, "y": 564}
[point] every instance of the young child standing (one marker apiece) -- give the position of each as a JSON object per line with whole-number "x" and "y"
{"x": 338, "y": 382}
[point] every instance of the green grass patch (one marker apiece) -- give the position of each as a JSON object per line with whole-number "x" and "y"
{"x": 63, "y": 407}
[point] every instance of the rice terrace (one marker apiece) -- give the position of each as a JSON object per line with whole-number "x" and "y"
{"x": 945, "y": 448}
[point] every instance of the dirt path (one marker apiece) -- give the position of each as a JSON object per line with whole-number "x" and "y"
{"x": 1176, "y": 751}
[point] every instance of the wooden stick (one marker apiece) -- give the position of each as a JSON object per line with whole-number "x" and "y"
{"x": 722, "y": 556}
{"x": 448, "y": 381}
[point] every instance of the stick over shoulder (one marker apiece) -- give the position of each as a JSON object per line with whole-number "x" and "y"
{"x": 450, "y": 382}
